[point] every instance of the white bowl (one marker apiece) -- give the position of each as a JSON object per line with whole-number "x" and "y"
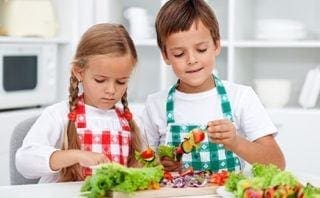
{"x": 273, "y": 93}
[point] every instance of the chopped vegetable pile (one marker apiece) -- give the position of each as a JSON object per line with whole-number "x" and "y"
{"x": 115, "y": 177}
{"x": 190, "y": 178}
{"x": 269, "y": 181}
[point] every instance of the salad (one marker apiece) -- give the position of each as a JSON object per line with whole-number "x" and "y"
{"x": 267, "y": 181}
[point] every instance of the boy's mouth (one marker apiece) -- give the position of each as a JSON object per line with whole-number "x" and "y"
{"x": 193, "y": 71}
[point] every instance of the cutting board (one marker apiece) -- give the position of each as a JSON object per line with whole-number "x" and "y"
{"x": 169, "y": 192}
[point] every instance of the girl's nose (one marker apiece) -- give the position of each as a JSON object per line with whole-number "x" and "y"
{"x": 110, "y": 88}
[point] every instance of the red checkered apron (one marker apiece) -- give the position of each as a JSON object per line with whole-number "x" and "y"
{"x": 114, "y": 143}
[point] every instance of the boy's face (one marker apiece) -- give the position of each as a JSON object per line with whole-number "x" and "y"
{"x": 192, "y": 55}
{"x": 104, "y": 79}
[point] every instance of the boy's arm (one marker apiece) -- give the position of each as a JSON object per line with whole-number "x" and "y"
{"x": 251, "y": 137}
{"x": 263, "y": 150}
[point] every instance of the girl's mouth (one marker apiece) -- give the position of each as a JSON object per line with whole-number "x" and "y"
{"x": 194, "y": 71}
{"x": 107, "y": 99}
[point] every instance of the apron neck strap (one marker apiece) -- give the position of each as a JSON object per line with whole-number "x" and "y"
{"x": 224, "y": 101}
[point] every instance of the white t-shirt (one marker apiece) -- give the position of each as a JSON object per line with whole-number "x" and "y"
{"x": 250, "y": 118}
{"x": 46, "y": 136}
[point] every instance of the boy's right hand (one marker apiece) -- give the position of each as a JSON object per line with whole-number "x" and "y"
{"x": 88, "y": 158}
{"x": 170, "y": 165}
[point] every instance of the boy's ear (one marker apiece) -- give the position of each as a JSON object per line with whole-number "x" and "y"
{"x": 165, "y": 57}
{"x": 77, "y": 72}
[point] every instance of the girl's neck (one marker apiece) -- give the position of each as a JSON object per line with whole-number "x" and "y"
{"x": 208, "y": 84}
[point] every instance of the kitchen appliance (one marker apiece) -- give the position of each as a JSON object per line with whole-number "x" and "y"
{"x": 28, "y": 75}
{"x": 29, "y": 18}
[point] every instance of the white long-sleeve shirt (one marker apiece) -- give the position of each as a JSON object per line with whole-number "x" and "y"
{"x": 46, "y": 136}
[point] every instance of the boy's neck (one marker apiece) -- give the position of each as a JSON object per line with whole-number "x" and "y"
{"x": 205, "y": 86}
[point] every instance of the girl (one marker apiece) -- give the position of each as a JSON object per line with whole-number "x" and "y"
{"x": 237, "y": 127}
{"x": 89, "y": 128}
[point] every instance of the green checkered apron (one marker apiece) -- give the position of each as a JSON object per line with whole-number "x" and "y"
{"x": 209, "y": 156}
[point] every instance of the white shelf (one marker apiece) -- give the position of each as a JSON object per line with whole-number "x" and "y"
{"x": 32, "y": 40}
{"x": 294, "y": 110}
{"x": 277, "y": 44}
{"x": 153, "y": 42}
{"x": 145, "y": 42}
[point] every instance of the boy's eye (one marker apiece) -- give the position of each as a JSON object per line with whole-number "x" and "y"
{"x": 178, "y": 55}
{"x": 202, "y": 50}
{"x": 98, "y": 80}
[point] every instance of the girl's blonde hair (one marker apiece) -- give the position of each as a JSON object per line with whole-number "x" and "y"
{"x": 100, "y": 39}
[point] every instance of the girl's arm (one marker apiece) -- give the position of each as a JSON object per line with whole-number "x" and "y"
{"x": 64, "y": 158}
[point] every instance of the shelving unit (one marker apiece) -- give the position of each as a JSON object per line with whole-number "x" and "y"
{"x": 244, "y": 58}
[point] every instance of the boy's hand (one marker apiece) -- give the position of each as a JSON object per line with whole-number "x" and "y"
{"x": 170, "y": 165}
{"x": 222, "y": 132}
{"x": 88, "y": 158}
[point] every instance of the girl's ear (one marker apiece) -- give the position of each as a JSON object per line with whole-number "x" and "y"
{"x": 217, "y": 48}
{"x": 77, "y": 72}
{"x": 165, "y": 57}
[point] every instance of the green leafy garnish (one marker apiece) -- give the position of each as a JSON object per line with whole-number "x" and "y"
{"x": 115, "y": 177}
{"x": 166, "y": 151}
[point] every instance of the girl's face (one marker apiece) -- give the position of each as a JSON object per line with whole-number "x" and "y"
{"x": 105, "y": 79}
{"x": 192, "y": 55}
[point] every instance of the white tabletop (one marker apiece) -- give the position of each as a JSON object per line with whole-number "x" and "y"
{"x": 61, "y": 190}
{"x": 67, "y": 190}
{"x": 72, "y": 189}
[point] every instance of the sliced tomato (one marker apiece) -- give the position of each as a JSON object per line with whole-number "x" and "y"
{"x": 167, "y": 175}
{"x": 148, "y": 154}
{"x": 219, "y": 178}
{"x": 198, "y": 135}
{"x": 250, "y": 193}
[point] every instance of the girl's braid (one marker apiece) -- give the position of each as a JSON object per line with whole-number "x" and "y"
{"x": 136, "y": 137}
{"x": 71, "y": 140}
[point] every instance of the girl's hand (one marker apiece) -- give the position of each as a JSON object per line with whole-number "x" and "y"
{"x": 170, "y": 165}
{"x": 88, "y": 158}
{"x": 222, "y": 132}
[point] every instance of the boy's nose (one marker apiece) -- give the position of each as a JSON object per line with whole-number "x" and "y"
{"x": 192, "y": 59}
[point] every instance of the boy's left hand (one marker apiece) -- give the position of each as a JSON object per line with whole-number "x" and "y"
{"x": 222, "y": 132}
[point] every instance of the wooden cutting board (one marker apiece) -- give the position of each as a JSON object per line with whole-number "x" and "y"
{"x": 169, "y": 192}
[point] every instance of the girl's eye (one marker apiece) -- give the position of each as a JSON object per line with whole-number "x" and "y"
{"x": 178, "y": 55}
{"x": 202, "y": 50}
{"x": 99, "y": 81}
{"x": 121, "y": 82}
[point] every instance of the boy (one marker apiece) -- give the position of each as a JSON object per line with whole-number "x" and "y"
{"x": 237, "y": 127}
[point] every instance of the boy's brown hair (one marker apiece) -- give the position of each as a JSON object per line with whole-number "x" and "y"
{"x": 179, "y": 15}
